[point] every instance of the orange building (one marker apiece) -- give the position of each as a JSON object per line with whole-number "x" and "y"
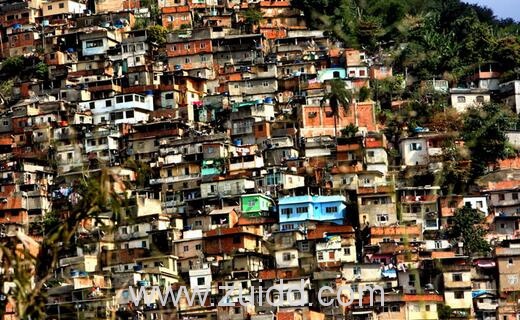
{"x": 176, "y": 17}
{"x": 190, "y": 47}
{"x": 316, "y": 121}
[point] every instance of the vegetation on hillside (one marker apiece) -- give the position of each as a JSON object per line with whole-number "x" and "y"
{"x": 428, "y": 38}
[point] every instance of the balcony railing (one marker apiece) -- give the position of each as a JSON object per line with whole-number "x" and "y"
{"x": 175, "y": 178}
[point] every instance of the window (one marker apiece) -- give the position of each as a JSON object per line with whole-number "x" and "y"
{"x": 108, "y": 103}
{"x": 302, "y": 209}
{"x": 187, "y": 46}
{"x": 186, "y": 248}
{"x": 438, "y": 244}
{"x": 62, "y": 5}
{"x": 461, "y": 99}
{"x": 501, "y": 197}
{"x": 92, "y": 105}
{"x": 49, "y": 7}
{"x": 480, "y": 99}
{"x": 382, "y": 218}
{"x": 480, "y": 204}
{"x": 202, "y": 45}
{"x": 287, "y": 211}
{"x": 459, "y": 294}
{"x": 361, "y": 73}
{"x": 297, "y": 295}
{"x": 331, "y": 255}
{"x": 198, "y": 247}
{"x": 94, "y": 44}
{"x": 129, "y": 98}
{"x": 129, "y": 114}
{"x": 201, "y": 281}
{"x": 427, "y": 307}
{"x": 119, "y": 99}
{"x": 510, "y": 261}
{"x": 415, "y": 146}
{"x": 335, "y": 74}
{"x": 357, "y": 271}
{"x": 116, "y": 116}
{"x": 265, "y": 84}
{"x": 457, "y": 277}
{"x": 236, "y": 239}
{"x": 187, "y": 60}
{"x": 331, "y": 209}
{"x": 346, "y": 251}
{"x": 286, "y": 256}
{"x": 136, "y": 229}
{"x": 370, "y": 154}
{"x": 143, "y": 244}
{"x": 320, "y": 255}
{"x": 515, "y": 196}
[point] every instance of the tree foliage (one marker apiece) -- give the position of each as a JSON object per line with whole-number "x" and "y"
{"x": 13, "y": 65}
{"x": 484, "y": 133}
{"x": 157, "y": 35}
{"x": 466, "y": 227}
{"x": 337, "y": 96}
{"x": 91, "y": 197}
{"x": 428, "y": 38}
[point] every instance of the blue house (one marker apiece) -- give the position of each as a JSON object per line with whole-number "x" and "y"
{"x": 296, "y": 211}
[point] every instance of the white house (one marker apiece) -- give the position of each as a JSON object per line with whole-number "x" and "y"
{"x": 463, "y": 99}
{"x": 65, "y": 7}
{"x": 232, "y": 187}
{"x": 98, "y": 42}
{"x": 414, "y": 151}
{"x": 128, "y": 108}
{"x": 477, "y": 202}
{"x": 510, "y": 92}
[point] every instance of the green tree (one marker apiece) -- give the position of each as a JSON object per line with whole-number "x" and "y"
{"x": 13, "y": 65}
{"x": 41, "y": 70}
{"x": 157, "y": 35}
{"x": 93, "y": 196}
{"x": 364, "y": 94}
{"x": 484, "y": 135}
{"x": 252, "y": 18}
{"x": 349, "y": 131}
{"x": 466, "y": 227}
{"x": 338, "y": 99}
{"x": 6, "y": 89}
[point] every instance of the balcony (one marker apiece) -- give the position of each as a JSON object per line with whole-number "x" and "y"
{"x": 131, "y": 235}
{"x": 423, "y": 198}
{"x": 176, "y": 178}
{"x": 375, "y": 188}
{"x": 243, "y": 130}
{"x": 94, "y": 87}
{"x": 64, "y": 135}
{"x": 287, "y": 48}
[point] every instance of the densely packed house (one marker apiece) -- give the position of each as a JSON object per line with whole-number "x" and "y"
{"x": 237, "y": 169}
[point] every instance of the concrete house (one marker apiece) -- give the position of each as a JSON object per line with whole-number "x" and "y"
{"x": 463, "y": 99}
{"x": 298, "y": 211}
